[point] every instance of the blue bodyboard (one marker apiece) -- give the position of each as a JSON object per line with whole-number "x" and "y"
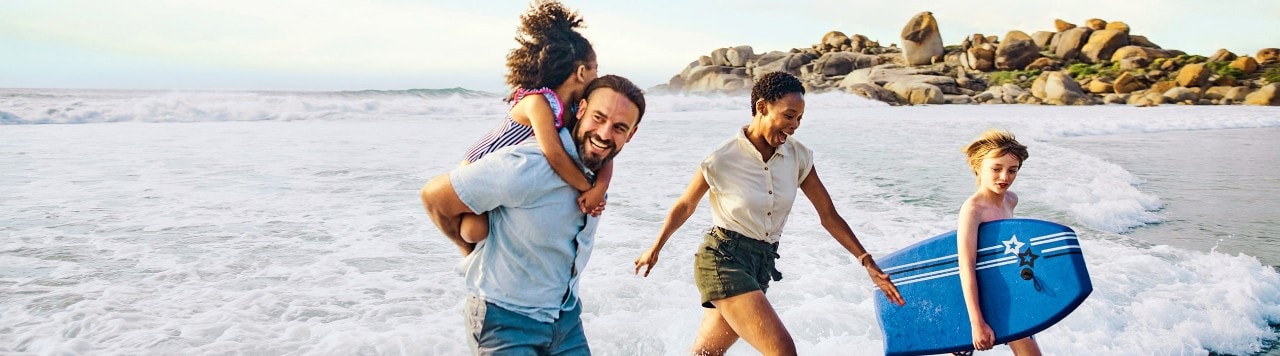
{"x": 1031, "y": 274}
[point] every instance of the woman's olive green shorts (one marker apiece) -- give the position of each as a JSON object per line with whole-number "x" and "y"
{"x": 728, "y": 264}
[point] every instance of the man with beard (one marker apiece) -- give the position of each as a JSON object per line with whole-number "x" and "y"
{"x": 522, "y": 279}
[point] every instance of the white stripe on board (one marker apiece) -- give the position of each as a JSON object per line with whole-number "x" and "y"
{"x": 981, "y": 265}
{"x": 950, "y": 257}
{"x": 1050, "y": 236}
{"x": 951, "y": 272}
{"x": 953, "y": 257}
{"x": 1048, "y": 250}
{"x": 1054, "y": 240}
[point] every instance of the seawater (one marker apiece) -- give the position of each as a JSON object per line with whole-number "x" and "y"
{"x": 288, "y": 223}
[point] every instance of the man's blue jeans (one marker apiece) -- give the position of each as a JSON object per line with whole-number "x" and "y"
{"x": 492, "y": 330}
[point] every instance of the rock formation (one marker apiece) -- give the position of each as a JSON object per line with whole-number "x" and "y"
{"x": 1099, "y": 62}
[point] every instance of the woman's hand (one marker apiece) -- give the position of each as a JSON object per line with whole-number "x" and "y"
{"x": 647, "y": 260}
{"x": 881, "y": 280}
{"x": 983, "y": 337}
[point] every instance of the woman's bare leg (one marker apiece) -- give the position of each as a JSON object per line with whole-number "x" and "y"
{"x": 750, "y": 316}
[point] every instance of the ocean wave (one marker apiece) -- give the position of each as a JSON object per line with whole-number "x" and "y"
{"x": 102, "y": 106}
{"x": 51, "y": 106}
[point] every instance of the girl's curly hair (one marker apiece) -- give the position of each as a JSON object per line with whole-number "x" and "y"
{"x": 550, "y": 48}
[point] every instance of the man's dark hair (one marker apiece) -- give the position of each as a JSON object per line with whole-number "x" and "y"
{"x": 622, "y": 86}
{"x": 773, "y": 86}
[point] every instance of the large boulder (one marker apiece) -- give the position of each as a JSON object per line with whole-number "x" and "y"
{"x": 1181, "y": 95}
{"x": 921, "y": 41}
{"x": 1146, "y": 99}
{"x": 1016, "y": 51}
{"x": 873, "y": 92}
{"x": 719, "y": 57}
{"x": 1095, "y": 24}
{"x": 1132, "y": 51}
{"x": 1100, "y": 85}
{"x": 1142, "y": 41}
{"x": 887, "y": 73}
{"x": 912, "y": 92}
{"x": 709, "y": 79}
{"x": 782, "y": 62}
{"x": 1235, "y": 94}
{"x": 739, "y": 56}
{"x": 1194, "y": 75}
{"x": 1044, "y": 63}
{"x": 1222, "y": 55}
{"x": 1268, "y": 55}
{"x": 1118, "y": 26}
{"x": 1062, "y": 25}
{"x": 841, "y": 63}
{"x": 1267, "y": 95}
{"x": 1246, "y": 65}
{"x": 1070, "y": 42}
{"x": 1102, "y": 44}
{"x": 1126, "y": 83}
{"x": 1043, "y": 38}
{"x": 980, "y": 58}
{"x": 834, "y": 41}
{"x": 1162, "y": 86}
{"x": 861, "y": 43}
{"x": 1057, "y": 88}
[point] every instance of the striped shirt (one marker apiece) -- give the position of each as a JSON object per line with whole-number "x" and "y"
{"x": 510, "y": 132}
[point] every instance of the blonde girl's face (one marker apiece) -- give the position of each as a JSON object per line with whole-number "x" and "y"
{"x": 996, "y": 174}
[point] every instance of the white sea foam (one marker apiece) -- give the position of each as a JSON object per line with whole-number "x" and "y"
{"x": 306, "y": 236}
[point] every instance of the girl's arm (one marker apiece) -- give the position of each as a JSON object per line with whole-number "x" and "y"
{"x": 592, "y": 201}
{"x": 967, "y": 253}
{"x": 680, "y": 212}
{"x": 543, "y": 121}
{"x": 839, "y": 229}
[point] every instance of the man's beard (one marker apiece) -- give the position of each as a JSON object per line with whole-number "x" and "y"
{"x": 590, "y": 162}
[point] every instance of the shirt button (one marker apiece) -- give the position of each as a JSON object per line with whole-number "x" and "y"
{"x": 769, "y": 213}
{"x": 766, "y": 168}
{"x": 770, "y": 192}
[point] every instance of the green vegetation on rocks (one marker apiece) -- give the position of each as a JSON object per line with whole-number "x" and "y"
{"x": 1021, "y": 78}
{"x": 1272, "y": 75}
{"x": 1224, "y": 69}
{"x": 1080, "y": 71}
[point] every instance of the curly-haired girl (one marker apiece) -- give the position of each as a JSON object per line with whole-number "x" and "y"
{"x": 548, "y": 71}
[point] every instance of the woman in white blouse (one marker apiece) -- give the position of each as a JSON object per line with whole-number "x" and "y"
{"x": 753, "y": 178}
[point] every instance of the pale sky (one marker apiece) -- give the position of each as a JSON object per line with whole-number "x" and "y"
{"x": 404, "y": 44}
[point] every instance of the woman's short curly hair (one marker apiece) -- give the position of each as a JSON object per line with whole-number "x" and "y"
{"x": 550, "y": 48}
{"x": 773, "y": 86}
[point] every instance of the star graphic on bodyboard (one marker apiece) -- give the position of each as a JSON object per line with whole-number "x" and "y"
{"x": 1027, "y": 258}
{"x": 1012, "y": 246}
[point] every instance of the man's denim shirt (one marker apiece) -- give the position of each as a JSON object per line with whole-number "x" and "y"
{"x": 539, "y": 241}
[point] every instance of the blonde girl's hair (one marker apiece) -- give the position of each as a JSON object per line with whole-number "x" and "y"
{"x": 994, "y": 143}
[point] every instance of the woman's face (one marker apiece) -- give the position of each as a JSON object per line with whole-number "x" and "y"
{"x": 781, "y": 118}
{"x": 997, "y": 173}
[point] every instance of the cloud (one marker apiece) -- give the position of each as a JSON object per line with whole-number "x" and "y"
{"x": 288, "y": 34}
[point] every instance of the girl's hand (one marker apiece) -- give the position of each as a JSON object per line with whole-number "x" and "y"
{"x": 881, "y": 280}
{"x": 983, "y": 337}
{"x": 592, "y": 201}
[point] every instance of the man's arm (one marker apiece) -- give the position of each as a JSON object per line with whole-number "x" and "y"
{"x": 446, "y": 209}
